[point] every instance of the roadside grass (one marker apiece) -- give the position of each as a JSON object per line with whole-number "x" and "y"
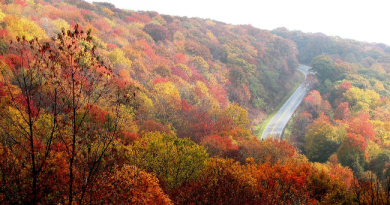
{"x": 287, "y": 130}
{"x": 260, "y": 127}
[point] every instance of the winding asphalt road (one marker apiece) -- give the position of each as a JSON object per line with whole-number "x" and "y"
{"x": 276, "y": 126}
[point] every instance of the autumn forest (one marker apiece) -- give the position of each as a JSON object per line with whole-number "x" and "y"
{"x": 100, "y": 105}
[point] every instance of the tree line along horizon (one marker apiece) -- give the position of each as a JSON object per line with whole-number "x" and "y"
{"x": 103, "y": 105}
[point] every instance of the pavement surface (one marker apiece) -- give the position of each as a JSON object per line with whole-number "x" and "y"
{"x": 276, "y": 126}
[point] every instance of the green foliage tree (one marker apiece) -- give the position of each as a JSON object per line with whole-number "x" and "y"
{"x": 378, "y": 165}
{"x": 320, "y": 142}
{"x": 174, "y": 160}
{"x": 324, "y": 68}
{"x": 259, "y": 103}
{"x": 352, "y": 153}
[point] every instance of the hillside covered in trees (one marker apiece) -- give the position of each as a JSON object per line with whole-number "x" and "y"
{"x": 100, "y": 105}
{"x": 346, "y": 116}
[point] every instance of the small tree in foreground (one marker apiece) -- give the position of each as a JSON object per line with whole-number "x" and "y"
{"x": 59, "y": 104}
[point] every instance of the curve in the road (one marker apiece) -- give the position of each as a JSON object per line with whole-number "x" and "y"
{"x": 277, "y": 124}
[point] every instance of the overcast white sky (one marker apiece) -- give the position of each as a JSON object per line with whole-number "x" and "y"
{"x": 359, "y": 20}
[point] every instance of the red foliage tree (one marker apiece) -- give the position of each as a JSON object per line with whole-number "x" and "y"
{"x": 220, "y": 146}
{"x": 343, "y": 87}
{"x": 224, "y": 126}
{"x": 3, "y": 33}
{"x": 135, "y": 17}
{"x": 118, "y": 32}
{"x": 312, "y": 103}
{"x": 267, "y": 151}
{"x": 111, "y": 46}
{"x": 185, "y": 106}
{"x": 180, "y": 58}
{"x": 159, "y": 80}
{"x": 179, "y": 72}
{"x": 360, "y": 125}
{"x": 153, "y": 126}
{"x": 23, "y": 3}
{"x": 342, "y": 112}
{"x": 201, "y": 124}
{"x": 196, "y": 76}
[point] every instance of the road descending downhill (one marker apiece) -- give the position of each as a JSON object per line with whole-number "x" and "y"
{"x": 276, "y": 126}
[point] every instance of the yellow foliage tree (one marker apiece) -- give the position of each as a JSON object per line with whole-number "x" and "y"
{"x": 107, "y": 12}
{"x": 23, "y": 27}
{"x": 361, "y": 100}
{"x": 2, "y": 15}
{"x": 238, "y": 114}
{"x": 60, "y": 23}
{"x": 117, "y": 58}
{"x": 111, "y": 23}
{"x": 14, "y": 9}
{"x": 185, "y": 69}
{"x": 373, "y": 150}
{"x": 158, "y": 20}
{"x": 382, "y": 130}
{"x": 210, "y": 22}
{"x": 167, "y": 101}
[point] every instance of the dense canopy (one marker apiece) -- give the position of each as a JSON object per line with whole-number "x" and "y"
{"x": 103, "y": 105}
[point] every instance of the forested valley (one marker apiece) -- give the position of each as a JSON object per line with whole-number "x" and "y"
{"x": 100, "y": 105}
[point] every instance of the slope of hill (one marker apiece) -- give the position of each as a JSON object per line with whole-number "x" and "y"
{"x": 347, "y": 118}
{"x": 239, "y": 64}
{"x": 103, "y": 105}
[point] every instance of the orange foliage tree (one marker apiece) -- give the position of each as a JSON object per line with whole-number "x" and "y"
{"x": 129, "y": 185}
